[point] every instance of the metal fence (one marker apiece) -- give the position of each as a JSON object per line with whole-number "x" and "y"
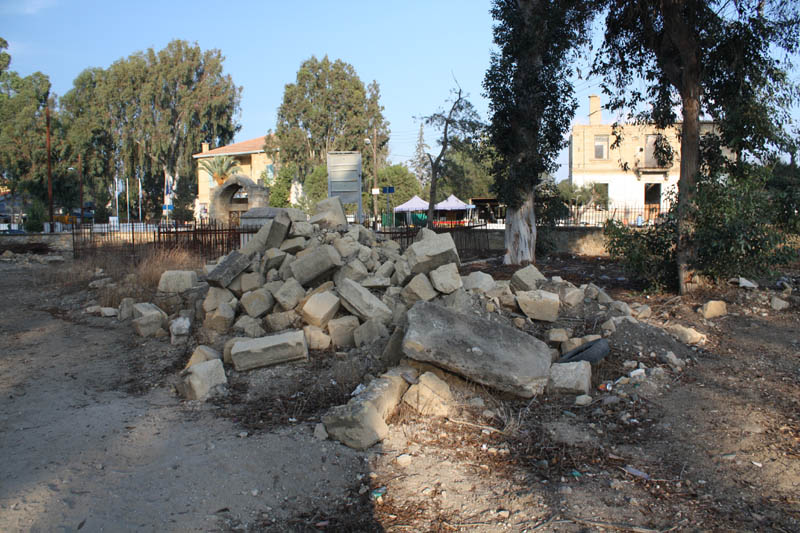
{"x": 208, "y": 240}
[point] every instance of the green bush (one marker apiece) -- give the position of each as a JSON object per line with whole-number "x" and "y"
{"x": 34, "y": 222}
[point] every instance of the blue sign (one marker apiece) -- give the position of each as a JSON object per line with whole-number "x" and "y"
{"x": 388, "y": 190}
{"x": 168, "y": 207}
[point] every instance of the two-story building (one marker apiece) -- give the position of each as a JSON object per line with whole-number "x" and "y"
{"x": 630, "y": 171}
{"x": 243, "y": 190}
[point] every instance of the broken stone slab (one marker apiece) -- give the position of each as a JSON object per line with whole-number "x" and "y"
{"x": 502, "y": 295}
{"x": 226, "y": 350}
{"x": 329, "y": 214}
{"x": 301, "y": 229}
{"x": 125, "y": 311}
{"x": 354, "y": 270}
{"x": 177, "y": 281}
{"x": 145, "y": 308}
{"x": 270, "y": 235}
{"x": 249, "y": 326}
{"x": 571, "y": 378}
{"x": 341, "y": 331}
{"x": 713, "y": 309}
{"x": 320, "y": 308}
{"x": 346, "y": 247}
{"x": 221, "y": 319}
{"x": 293, "y": 245}
{"x": 479, "y": 349}
{"x": 557, "y": 335}
{"x": 571, "y": 296}
{"x": 269, "y": 350}
{"x": 273, "y": 258}
{"x": 316, "y": 338}
{"x": 369, "y": 332}
{"x": 402, "y": 273}
{"x": 526, "y": 279}
{"x": 743, "y": 283}
{"x": 643, "y": 311}
{"x": 362, "y": 303}
{"x": 257, "y": 303}
{"x": 108, "y": 312}
{"x": 431, "y": 252}
{"x": 539, "y": 305}
{"x": 376, "y": 282}
{"x": 313, "y": 265}
{"x": 419, "y": 288}
{"x": 226, "y": 271}
{"x": 149, "y": 325}
{"x": 603, "y": 297}
{"x": 430, "y": 396}
{"x": 446, "y": 278}
{"x": 198, "y": 380}
{"x": 778, "y": 304}
{"x": 385, "y": 270}
{"x": 290, "y": 293}
{"x": 686, "y": 335}
{"x": 276, "y": 322}
{"x": 250, "y": 281}
{"x": 479, "y": 282}
{"x": 202, "y": 354}
{"x": 620, "y": 308}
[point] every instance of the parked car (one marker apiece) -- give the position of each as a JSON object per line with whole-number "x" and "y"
{"x": 12, "y": 232}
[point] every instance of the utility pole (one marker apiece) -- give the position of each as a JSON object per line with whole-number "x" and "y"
{"x": 49, "y": 171}
{"x": 375, "y": 177}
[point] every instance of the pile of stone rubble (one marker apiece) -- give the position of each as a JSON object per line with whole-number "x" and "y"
{"x": 321, "y": 284}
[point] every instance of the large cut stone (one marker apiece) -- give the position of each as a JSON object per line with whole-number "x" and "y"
{"x": 273, "y": 258}
{"x": 320, "y": 308}
{"x": 355, "y": 424}
{"x": 369, "y": 332}
{"x": 574, "y": 378}
{"x": 446, "y": 278}
{"x": 432, "y": 252}
{"x": 148, "y": 325}
{"x": 713, "y": 309}
{"x": 221, "y": 319}
{"x": 539, "y": 305}
{"x": 341, "y": 331}
{"x": 257, "y": 303}
{"x": 249, "y": 326}
{"x": 270, "y": 235}
{"x": 289, "y": 294}
{"x": 281, "y": 321}
{"x": 198, "y": 380}
{"x": 177, "y": 281}
{"x": 215, "y": 297}
{"x": 316, "y": 338}
{"x": 309, "y": 267}
{"x": 479, "y": 349}
{"x": 430, "y": 396}
{"x": 270, "y": 350}
{"x": 362, "y": 303}
{"x": 329, "y": 213}
{"x": 479, "y": 282}
{"x": 419, "y": 288}
{"x": 526, "y": 279}
{"x": 225, "y": 272}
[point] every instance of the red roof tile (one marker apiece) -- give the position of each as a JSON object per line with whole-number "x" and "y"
{"x": 244, "y": 147}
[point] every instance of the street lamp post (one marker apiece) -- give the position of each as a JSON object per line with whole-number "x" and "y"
{"x": 374, "y": 143}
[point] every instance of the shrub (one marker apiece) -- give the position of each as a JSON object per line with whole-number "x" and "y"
{"x": 34, "y": 222}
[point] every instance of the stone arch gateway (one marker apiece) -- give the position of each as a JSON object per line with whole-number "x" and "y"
{"x": 235, "y": 196}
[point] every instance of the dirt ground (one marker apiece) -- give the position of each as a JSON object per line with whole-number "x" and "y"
{"x": 94, "y": 438}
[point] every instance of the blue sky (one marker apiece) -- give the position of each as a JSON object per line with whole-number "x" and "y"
{"x": 413, "y": 48}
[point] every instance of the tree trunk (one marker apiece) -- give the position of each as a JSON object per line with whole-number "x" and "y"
{"x": 434, "y": 183}
{"x": 686, "y": 252}
{"x": 521, "y": 233}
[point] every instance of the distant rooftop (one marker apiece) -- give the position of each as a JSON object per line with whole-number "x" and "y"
{"x": 251, "y": 146}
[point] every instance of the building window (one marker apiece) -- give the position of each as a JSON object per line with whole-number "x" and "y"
{"x": 601, "y": 146}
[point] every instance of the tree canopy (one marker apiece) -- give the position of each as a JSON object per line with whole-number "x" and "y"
{"x": 327, "y": 108}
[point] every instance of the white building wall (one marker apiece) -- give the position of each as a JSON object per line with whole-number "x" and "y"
{"x": 626, "y": 188}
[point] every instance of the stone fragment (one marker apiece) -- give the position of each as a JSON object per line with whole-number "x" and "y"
{"x": 356, "y": 425}
{"x": 269, "y": 350}
{"x": 362, "y": 303}
{"x": 315, "y": 264}
{"x": 446, "y": 278}
{"x": 643, "y": 312}
{"x": 293, "y": 245}
{"x": 198, "y": 380}
{"x": 672, "y": 360}
{"x": 316, "y": 338}
{"x": 778, "y": 304}
{"x": 479, "y": 349}
{"x": 746, "y": 283}
{"x": 145, "y": 308}
{"x": 503, "y": 295}
{"x": 320, "y": 308}
{"x": 215, "y": 297}
{"x": 570, "y": 377}
{"x": 539, "y": 305}
{"x": 226, "y": 350}
{"x": 257, "y": 303}
{"x": 419, "y": 288}
{"x": 603, "y": 297}
{"x": 285, "y": 270}
{"x": 526, "y": 279}
{"x": 250, "y": 281}
{"x": 430, "y": 396}
{"x": 108, "y": 312}
{"x": 608, "y": 327}
{"x": 202, "y": 354}
{"x": 713, "y": 309}
{"x": 319, "y": 431}
{"x": 621, "y": 308}
{"x": 583, "y": 400}
{"x": 290, "y": 293}
{"x": 478, "y": 282}
{"x": 148, "y": 325}
{"x": 686, "y": 335}
{"x": 221, "y": 319}
{"x": 177, "y": 281}
{"x": 179, "y": 330}
{"x": 346, "y": 247}
{"x": 570, "y": 344}
{"x": 571, "y": 296}
{"x": 557, "y": 335}
{"x": 341, "y": 331}
{"x": 402, "y": 273}
{"x": 369, "y": 332}
{"x": 125, "y": 311}
{"x": 432, "y": 252}
{"x": 301, "y": 229}
{"x": 276, "y": 322}
{"x": 224, "y": 273}
{"x": 270, "y": 235}
{"x": 100, "y": 283}
{"x": 385, "y": 270}
{"x": 376, "y": 282}
{"x": 249, "y": 326}
{"x": 354, "y": 270}
{"x": 273, "y": 258}
{"x": 329, "y": 213}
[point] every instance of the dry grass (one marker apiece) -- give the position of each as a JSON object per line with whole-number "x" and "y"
{"x": 157, "y": 261}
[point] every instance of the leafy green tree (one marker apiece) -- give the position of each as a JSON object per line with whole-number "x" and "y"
{"x": 701, "y": 57}
{"x": 532, "y": 103}
{"x": 220, "y": 168}
{"x": 460, "y": 121}
{"x": 469, "y": 172}
{"x": 404, "y": 182}
{"x": 280, "y": 190}
{"x": 420, "y": 164}
{"x": 326, "y": 109}
{"x": 315, "y": 188}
